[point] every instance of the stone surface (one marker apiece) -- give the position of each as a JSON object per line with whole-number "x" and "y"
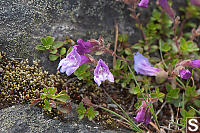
{"x": 23, "y": 119}
{"x": 24, "y": 22}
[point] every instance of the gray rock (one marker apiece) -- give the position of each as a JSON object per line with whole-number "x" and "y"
{"x": 23, "y": 119}
{"x": 23, "y": 23}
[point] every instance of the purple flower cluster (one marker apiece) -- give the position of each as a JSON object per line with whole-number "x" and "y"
{"x": 76, "y": 58}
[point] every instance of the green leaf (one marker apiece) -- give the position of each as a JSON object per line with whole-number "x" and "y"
{"x": 62, "y": 51}
{"x": 118, "y": 64}
{"x": 47, "y": 105}
{"x": 63, "y": 97}
{"x": 82, "y": 72}
{"x": 47, "y": 41}
{"x": 134, "y": 90}
{"x": 191, "y": 92}
{"x": 53, "y": 57}
{"x": 53, "y": 51}
{"x": 43, "y": 96}
{"x": 50, "y": 40}
{"x": 165, "y": 47}
{"x": 69, "y": 50}
{"x": 81, "y": 110}
{"x": 188, "y": 46}
{"x": 40, "y": 47}
{"x": 172, "y": 93}
{"x": 91, "y": 113}
{"x": 52, "y": 91}
{"x": 128, "y": 51}
{"x": 57, "y": 44}
{"x": 45, "y": 90}
{"x": 44, "y": 42}
{"x": 197, "y": 103}
{"x": 99, "y": 52}
{"x": 66, "y": 108}
{"x": 189, "y": 113}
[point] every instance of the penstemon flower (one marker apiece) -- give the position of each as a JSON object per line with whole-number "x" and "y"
{"x": 83, "y": 47}
{"x": 195, "y": 2}
{"x": 166, "y": 7}
{"x": 185, "y": 73}
{"x": 72, "y": 62}
{"x": 142, "y": 66}
{"x": 143, "y": 3}
{"x": 143, "y": 114}
{"x": 195, "y": 63}
{"x": 102, "y": 73}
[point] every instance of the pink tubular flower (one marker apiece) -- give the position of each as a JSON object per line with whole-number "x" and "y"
{"x": 72, "y": 62}
{"x": 143, "y": 114}
{"x": 185, "y": 73}
{"x": 102, "y": 73}
{"x": 165, "y": 6}
{"x": 143, "y": 3}
{"x": 195, "y": 63}
{"x": 195, "y": 2}
{"x": 142, "y": 66}
{"x": 83, "y": 47}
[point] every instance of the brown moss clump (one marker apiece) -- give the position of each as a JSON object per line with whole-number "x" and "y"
{"x": 20, "y": 82}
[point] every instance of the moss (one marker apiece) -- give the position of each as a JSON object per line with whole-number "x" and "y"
{"x": 20, "y": 83}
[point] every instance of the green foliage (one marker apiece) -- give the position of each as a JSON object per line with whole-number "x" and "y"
{"x": 81, "y": 111}
{"x": 89, "y": 112}
{"x": 53, "y": 57}
{"x": 53, "y": 100}
{"x": 157, "y": 94}
{"x": 173, "y": 94}
{"x": 63, "y": 51}
{"x": 83, "y": 73}
{"x": 122, "y": 38}
{"x": 188, "y": 46}
{"x": 56, "y": 49}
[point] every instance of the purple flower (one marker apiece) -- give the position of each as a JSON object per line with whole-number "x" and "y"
{"x": 83, "y": 47}
{"x": 185, "y": 73}
{"x": 72, "y": 61}
{"x": 143, "y": 3}
{"x": 142, "y": 66}
{"x": 195, "y": 2}
{"x": 195, "y": 63}
{"x": 102, "y": 73}
{"x": 143, "y": 114}
{"x": 165, "y": 6}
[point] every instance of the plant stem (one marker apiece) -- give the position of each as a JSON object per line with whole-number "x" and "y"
{"x": 151, "y": 108}
{"x": 116, "y": 40}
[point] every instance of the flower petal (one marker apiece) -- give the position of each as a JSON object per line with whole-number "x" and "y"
{"x": 143, "y": 3}
{"x": 70, "y": 63}
{"x": 84, "y": 59}
{"x": 102, "y": 73}
{"x": 185, "y": 74}
{"x": 195, "y": 63}
{"x": 166, "y": 7}
{"x": 142, "y": 66}
{"x": 195, "y": 2}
